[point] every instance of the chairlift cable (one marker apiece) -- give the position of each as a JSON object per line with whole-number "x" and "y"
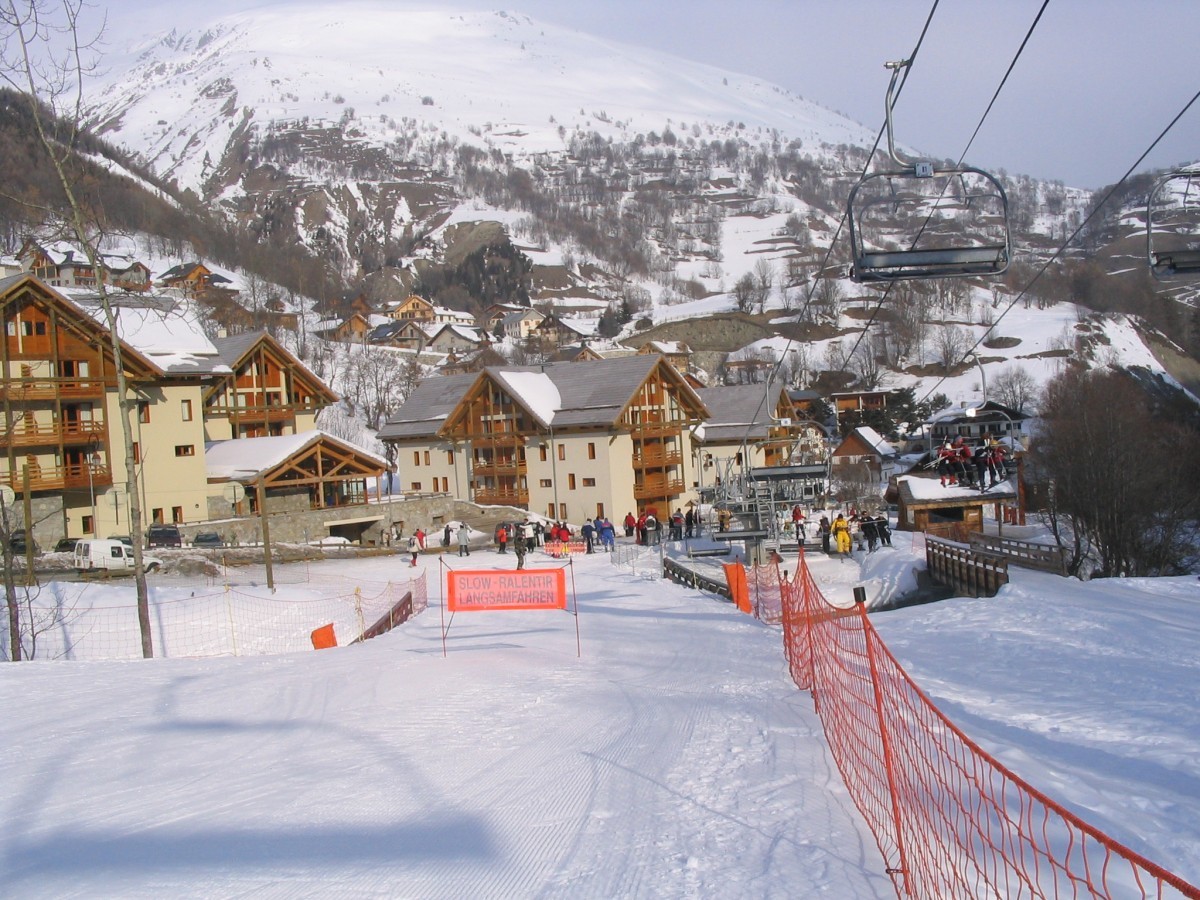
{"x": 1070, "y": 238}
{"x": 842, "y": 221}
{"x": 1000, "y": 87}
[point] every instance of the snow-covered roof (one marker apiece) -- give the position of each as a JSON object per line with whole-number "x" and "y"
{"x": 536, "y": 390}
{"x": 876, "y": 440}
{"x": 166, "y": 331}
{"x": 244, "y": 459}
{"x": 931, "y": 490}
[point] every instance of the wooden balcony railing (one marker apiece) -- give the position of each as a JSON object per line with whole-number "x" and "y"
{"x": 657, "y": 460}
{"x": 60, "y": 478}
{"x": 39, "y": 388}
{"x": 48, "y": 434}
{"x": 502, "y": 496}
{"x": 658, "y": 488}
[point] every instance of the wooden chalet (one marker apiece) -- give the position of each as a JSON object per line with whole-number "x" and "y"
{"x": 413, "y": 307}
{"x": 268, "y": 391}
{"x": 572, "y": 439}
{"x": 296, "y": 473}
{"x": 59, "y": 370}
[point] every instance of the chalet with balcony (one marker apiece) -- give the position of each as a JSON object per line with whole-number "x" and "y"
{"x": 62, "y": 443}
{"x": 864, "y": 455}
{"x": 567, "y": 439}
{"x": 412, "y": 307}
{"x": 58, "y": 264}
{"x": 194, "y": 279}
{"x": 747, "y": 428}
{"x": 267, "y": 391}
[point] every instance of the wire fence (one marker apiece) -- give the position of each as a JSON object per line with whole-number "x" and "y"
{"x": 949, "y": 819}
{"x": 198, "y": 616}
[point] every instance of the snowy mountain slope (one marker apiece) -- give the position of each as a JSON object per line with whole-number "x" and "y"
{"x": 496, "y": 80}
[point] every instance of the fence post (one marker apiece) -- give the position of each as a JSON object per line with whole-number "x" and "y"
{"x": 362, "y": 625}
{"x": 860, "y": 603}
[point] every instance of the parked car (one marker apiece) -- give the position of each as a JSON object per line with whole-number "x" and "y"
{"x": 164, "y": 536}
{"x": 66, "y": 545}
{"x": 207, "y": 540}
{"x": 16, "y": 542}
{"x": 123, "y": 538}
{"x": 110, "y": 555}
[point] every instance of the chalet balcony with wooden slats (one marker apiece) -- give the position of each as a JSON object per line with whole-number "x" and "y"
{"x": 60, "y": 478}
{"x": 657, "y": 429}
{"x": 657, "y": 459}
{"x": 53, "y": 434}
{"x": 502, "y": 496}
{"x": 500, "y": 467}
{"x": 658, "y": 488}
{"x": 47, "y": 388}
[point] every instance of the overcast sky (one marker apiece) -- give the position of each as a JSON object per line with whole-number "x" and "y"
{"x": 1097, "y": 83}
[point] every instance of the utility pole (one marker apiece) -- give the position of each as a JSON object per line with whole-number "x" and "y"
{"x": 266, "y": 533}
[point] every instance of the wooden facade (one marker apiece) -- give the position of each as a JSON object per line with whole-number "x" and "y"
{"x": 269, "y": 392}
{"x": 58, "y": 368}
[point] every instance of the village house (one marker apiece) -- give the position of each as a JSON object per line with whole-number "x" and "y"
{"x": 974, "y": 422}
{"x": 677, "y": 353}
{"x": 63, "y": 444}
{"x": 569, "y": 440}
{"x": 864, "y": 455}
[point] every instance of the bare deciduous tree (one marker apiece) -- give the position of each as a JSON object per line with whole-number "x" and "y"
{"x": 45, "y": 56}
{"x": 1015, "y": 388}
{"x": 1122, "y": 487}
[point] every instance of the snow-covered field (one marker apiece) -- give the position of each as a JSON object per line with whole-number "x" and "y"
{"x": 671, "y": 757}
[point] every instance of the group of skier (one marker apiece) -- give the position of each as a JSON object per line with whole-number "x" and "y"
{"x": 981, "y": 466}
{"x": 862, "y": 532}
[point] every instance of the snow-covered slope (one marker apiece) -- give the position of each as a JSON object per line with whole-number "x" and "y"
{"x": 492, "y": 79}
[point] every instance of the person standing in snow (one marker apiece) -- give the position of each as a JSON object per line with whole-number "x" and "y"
{"x": 826, "y": 533}
{"x": 520, "y": 547}
{"x": 414, "y": 547}
{"x": 464, "y": 539}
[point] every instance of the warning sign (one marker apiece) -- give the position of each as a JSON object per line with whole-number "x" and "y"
{"x": 527, "y": 589}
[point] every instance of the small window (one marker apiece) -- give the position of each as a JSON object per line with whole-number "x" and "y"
{"x": 157, "y": 515}
{"x": 450, "y": 457}
{"x": 115, "y": 551}
{"x": 591, "y": 450}
{"x": 562, "y": 452}
{"x": 426, "y": 457}
{"x": 185, "y": 449}
{"x": 542, "y": 453}
{"x": 144, "y": 411}
{"x": 571, "y": 481}
{"x": 416, "y": 457}
{"x": 177, "y": 515}
{"x": 599, "y": 510}
{"x": 415, "y": 486}
{"x": 545, "y": 482}
{"x": 589, "y": 482}
{"x": 185, "y": 410}
{"x": 88, "y": 525}
{"x": 137, "y": 452}
{"x": 562, "y": 511}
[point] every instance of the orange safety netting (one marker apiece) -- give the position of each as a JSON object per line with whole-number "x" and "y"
{"x": 949, "y": 819}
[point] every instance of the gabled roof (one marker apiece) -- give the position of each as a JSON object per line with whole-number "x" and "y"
{"x": 137, "y": 363}
{"x": 424, "y": 412}
{"x": 875, "y": 440}
{"x": 245, "y": 459}
{"x": 561, "y": 395}
{"x": 739, "y": 411}
{"x": 234, "y": 350}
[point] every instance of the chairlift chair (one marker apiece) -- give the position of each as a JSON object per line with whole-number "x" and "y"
{"x": 1173, "y": 226}
{"x": 933, "y": 203}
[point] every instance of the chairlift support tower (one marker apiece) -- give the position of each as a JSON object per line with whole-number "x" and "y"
{"x": 925, "y": 191}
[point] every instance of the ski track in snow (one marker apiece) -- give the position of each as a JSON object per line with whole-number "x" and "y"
{"x": 673, "y": 758}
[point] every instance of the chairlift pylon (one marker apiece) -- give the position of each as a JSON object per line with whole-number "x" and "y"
{"x": 1173, "y": 226}
{"x": 931, "y": 205}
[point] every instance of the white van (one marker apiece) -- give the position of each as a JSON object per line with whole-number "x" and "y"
{"x": 109, "y": 554}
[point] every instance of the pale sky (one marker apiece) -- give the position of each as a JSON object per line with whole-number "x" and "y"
{"x": 1098, "y": 81}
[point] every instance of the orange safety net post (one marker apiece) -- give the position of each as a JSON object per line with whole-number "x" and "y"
{"x": 323, "y": 637}
{"x": 950, "y": 820}
{"x": 735, "y": 577}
